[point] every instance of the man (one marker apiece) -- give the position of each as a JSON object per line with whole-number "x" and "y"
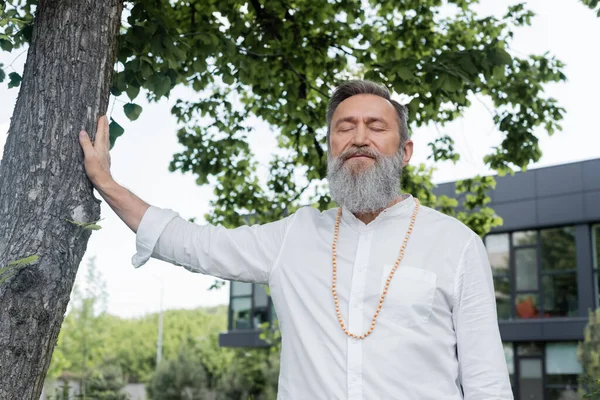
{"x": 380, "y": 299}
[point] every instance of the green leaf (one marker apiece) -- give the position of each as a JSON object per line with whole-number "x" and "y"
{"x": 19, "y": 264}
{"x": 162, "y": 86}
{"x": 146, "y": 68}
{"x": 15, "y": 80}
{"x": 6, "y": 45}
{"x": 5, "y": 278}
{"x": 2, "y": 74}
{"x": 132, "y": 111}
{"x": 405, "y": 73}
{"x": 499, "y": 56}
{"x": 92, "y": 227}
{"x": 132, "y": 92}
{"x": 451, "y": 84}
{"x": 228, "y": 79}
{"x": 115, "y": 130}
{"x": 25, "y": 261}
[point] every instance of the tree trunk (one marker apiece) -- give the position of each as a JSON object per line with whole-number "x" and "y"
{"x": 65, "y": 88}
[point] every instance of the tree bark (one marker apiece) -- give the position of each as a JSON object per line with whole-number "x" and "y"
{"x": 65, "y": 88}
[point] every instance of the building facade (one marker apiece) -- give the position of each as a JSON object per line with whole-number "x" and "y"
{"x": 545, "y": 260}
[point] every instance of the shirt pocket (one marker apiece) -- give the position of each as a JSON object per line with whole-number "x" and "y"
{"x": 409, "y": 300}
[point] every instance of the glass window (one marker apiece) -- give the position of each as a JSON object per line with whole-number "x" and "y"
{"x": 509, "y": 355}
{"x": 569, "y": 393}
{"x": 240, "y": 309}
{"x": 526, "y": 269}
{"x": 503, "y": 302}
{"x": 558, "y": 249}
{"x": 527, "y": 305}
{"x": 560, "y": 295}
{"x": 498, "y": 248}
{"x": 260, "y": 313}
{"x": 562, "y": 370}
{"x": 241, "y": 289}
{"x": 525, "y": 238}
{"x": 530, "y": 349}
{"x": 562, "y": 364}
{"x": 260, "y": 296}
{"x": 531, "y": 379}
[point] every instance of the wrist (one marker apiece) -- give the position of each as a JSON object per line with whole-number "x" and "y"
{"x": 105, "y": 184}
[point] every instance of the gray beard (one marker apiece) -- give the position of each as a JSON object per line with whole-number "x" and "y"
{"x": 368, "y": 190}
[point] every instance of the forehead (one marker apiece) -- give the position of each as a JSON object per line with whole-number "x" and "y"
{"x": 363, "y": 106}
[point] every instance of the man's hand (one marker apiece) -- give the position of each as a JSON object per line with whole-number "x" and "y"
{"x": 125, "y": 204}
{"x": 97, "y": 156}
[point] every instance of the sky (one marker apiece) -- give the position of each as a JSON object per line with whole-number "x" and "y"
{"x": 140, "y": 158}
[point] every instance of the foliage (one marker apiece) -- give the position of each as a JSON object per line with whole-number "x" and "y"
{"x": 87, "y": 326}
{"x": 440, "y": 55}
{"x": 202, "y": 370}
{"x": 61, "y": 392}
{"x": 253, "y": 375}
{"x": 589, "y": 356}
{"x": 593, "y": 4}
{"x": 180, "y": 379}
{"x": 91, "y": 339}
{"x": 106, "y": 384}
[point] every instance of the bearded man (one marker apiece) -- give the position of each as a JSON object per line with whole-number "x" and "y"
{"x": 381, "y": 298}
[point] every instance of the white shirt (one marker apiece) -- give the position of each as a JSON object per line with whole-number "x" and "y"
{"x": 436, "y": 337}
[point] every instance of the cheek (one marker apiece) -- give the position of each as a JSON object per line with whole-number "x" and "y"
{"x": 337, "y": 145}
{"x": 388, "y": 146}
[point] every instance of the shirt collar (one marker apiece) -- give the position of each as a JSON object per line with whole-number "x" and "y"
{"x": 403, "y": 207}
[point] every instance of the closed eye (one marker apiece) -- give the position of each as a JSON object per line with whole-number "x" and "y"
{"x": 345, "y": 128}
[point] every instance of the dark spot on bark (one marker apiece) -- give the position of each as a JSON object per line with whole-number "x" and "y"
{"x": 41, "y": 315}
{"x": 18, "y": 315}
{"x": 26, "y": 279}
{"x": 18, "y": 350}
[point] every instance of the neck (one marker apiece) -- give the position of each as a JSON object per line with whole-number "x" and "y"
{"x": 369, "y": 217}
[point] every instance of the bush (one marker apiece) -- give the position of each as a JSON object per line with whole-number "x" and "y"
{"x": 589, "y": 356}
{"x": 107, "y": 384}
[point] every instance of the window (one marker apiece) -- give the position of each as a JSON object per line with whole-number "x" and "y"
{"x": 498, "y": 247}
{"x": 540, "y": 370}
{"x": 510, "y": 361}
{"x": 249, "y": 306}
{"x": 562, "y": 370}
{"x": 535, "y": 273}
{"x": 240, "y": 305}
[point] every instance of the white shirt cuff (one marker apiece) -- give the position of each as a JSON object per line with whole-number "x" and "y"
{"x": 151, "y": 227}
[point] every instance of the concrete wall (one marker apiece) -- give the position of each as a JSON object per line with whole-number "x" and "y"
{"x": 136, "y": 391}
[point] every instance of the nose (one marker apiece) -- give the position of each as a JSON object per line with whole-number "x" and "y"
{"x": 361, "y": 137}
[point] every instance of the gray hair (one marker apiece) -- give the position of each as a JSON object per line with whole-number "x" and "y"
{"x": 353, "y": 88}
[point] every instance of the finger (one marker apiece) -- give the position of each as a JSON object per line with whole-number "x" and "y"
{"x": 86, "y": 143}
{"x": 102, "y": 132}
{"x": 106, "y": 132}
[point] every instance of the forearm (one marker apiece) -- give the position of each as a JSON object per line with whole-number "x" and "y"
{"x": 125, "y": 204}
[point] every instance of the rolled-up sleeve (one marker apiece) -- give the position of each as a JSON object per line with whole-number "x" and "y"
{"x": 483, "y": 369}
{"x": 246, "y": 254}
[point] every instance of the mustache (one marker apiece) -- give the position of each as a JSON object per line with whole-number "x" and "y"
{"x": 359, "y": 151}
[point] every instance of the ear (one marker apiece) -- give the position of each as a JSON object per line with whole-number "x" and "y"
{"x": 408, "y": 152}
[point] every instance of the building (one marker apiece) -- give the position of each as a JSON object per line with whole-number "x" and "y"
{"x": 545, "y": 260}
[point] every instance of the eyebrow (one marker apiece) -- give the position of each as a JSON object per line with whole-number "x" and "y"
{"x": 369, "y": 120}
